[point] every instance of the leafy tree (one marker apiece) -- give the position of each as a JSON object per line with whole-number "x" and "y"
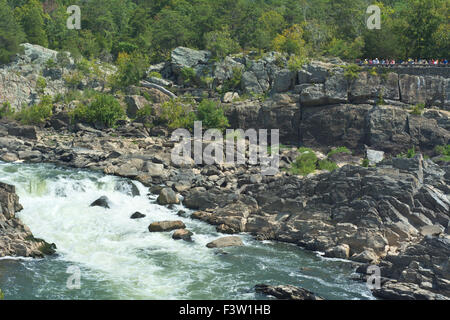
{"x": 131, "y": 69}
{"x": 220, "y": 43}
{"x": 11, "y": 34}
{"x": 291, "y": 41}
{"x": 31, "y": 16}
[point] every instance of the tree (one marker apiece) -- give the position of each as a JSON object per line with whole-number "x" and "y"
{"x": 31, "y": 16}
{"x": 220, "y": 43}
{"x": 271, "y": 23}
{"x": 291, "y": 41}
{"x": 11, "y": 34}
{"x": 131, "y": 69}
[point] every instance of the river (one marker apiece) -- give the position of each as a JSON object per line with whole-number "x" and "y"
{"x": 119, "y": 258}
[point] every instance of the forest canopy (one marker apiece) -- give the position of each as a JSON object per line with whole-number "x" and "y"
{"x": 409, "y": 28}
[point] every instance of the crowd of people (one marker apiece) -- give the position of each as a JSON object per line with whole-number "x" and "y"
{"x": 376, "y": 61}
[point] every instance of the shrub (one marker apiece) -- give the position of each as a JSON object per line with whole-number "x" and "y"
{"x": 176, "y": 114}
{"x": 365, "y": 163}
{"x": 2, "y": 296}
{"x": 409, "y": 154}
{"x": 339, "y": 150}
{"x": 6, "y": 111}
{"x": 296, "y": 63}
{"x": 41, "y": 84}
{"x": 188, "y": 75}
{"x": 444, "y": 151}
{"x": 155, "y": 74}
{"x": 212, "y": 115}
{"x": 234, "y": 82}
{"x": 418, "y": 109}
{"x": 304, "y": 164}
{"x": 352, "y": 71}
{"x": 36, "y": 114}
{"x": 104, "y": 109}
{"x": 220, "y": 43}
{"x": 131, "y": 68}
{"x": 327, "y": 165}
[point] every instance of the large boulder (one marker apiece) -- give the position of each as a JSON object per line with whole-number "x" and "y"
{"x": 134, "y": 104}
{"x": 163, "y": 226}
{"x": 231, "y": 241}
{"x": 168, "y": 196}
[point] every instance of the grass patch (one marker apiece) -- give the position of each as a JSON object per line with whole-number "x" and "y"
{"x": 304, "y": 164}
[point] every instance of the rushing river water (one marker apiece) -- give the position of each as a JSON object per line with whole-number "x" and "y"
{"x": 120, "y": 259}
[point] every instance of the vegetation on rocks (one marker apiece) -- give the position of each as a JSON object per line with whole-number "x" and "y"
{"x": 104, "y": 110}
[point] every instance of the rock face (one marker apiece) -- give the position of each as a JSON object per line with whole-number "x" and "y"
{"x": 163, "y": 226}
{"x": 18, "y": 79}
{"x": 286, "y": 292}
{"x": 223, "y": 242}
{"x": 16, "y": 239}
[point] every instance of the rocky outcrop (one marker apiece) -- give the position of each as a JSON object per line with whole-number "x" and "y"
{"x": 16, "y": 238}
{"x": 19, "y": 78}
{"x": 286, "y": 292}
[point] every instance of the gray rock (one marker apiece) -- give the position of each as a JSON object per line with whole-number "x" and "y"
{"x": 230, "y": 241}
{"x": 167, "y": 196}
{"x": 286, "y": 292}
{"x": 137, "y": 215}
{"x": 103, "y": 202}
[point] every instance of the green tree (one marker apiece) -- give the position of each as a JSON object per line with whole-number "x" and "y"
{"x": 220, "y": 43}
{"x": 31, "y": 16}
{"x": 11, "y": 34}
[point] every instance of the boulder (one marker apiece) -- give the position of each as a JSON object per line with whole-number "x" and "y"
{"x": 286, "y": 292}
{"x": 341, "y": 251}
{"x": 182, "y": 234}
{"x": 168, "y": 196}
{"x": 374, "y": 156}
{"x": 103, "y": 202}
{"x": 28, "y": 132}
{"x": 134, "y": 104}
{"x": 230, "y": 241}
{"x": 137, "y": 215}
{"x": 163, "y": 226}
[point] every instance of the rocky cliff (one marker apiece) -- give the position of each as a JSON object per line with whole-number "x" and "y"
{"x": 16, "y": 239}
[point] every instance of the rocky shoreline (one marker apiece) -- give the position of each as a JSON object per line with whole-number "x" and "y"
{"x": 395, "y": 215}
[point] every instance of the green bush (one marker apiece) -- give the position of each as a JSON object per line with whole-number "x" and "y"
{"x": 339, "y": 150}
{"x": 418, "y": 109}
{"x": 444, "y": 151}
{"x": 409, "y": 154}
{"x": 212, "y": 115}
{"x": 304, "y": 164}
{"x": 188, "y": 75}
{"x": 155, "y": 74}
{"x": 6, "y": 111}
{"x": 327, "y": 165}
{"x": 352, "y": 71}
{"x": 36, "y": 114}
{"x": 177, "y": 114}
{"x": 2, "y": 296}
{"x": 365, "y": 163}
{"x": 234, "y": 83}
{"x": 41, "y": 84}
{"x": 104, "y": 109}
{"x": 131, "y": 68}
{"x": 296, "y": 63}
